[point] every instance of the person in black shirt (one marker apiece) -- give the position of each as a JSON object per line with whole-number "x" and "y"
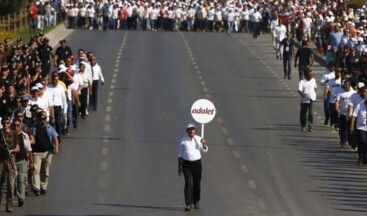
{"x": 45, "y": 52}
{"x": 62, "y": 53}
{"x": 46, "y": 144}
{"x": 5, "y": 102}
{"x": 306, "y": 59}
{"x": 288, "y": 50}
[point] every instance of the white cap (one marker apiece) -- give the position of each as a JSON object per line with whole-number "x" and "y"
{"x": 360, "y": 85}
{"x": 39, "y": 85}
{"x": 34, "y": 88}
{"x": 190, "y": 125}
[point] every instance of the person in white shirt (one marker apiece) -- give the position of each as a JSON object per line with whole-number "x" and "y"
{"x": 358, "y": 126}
{"x": 331, "y": 91}
{"x": 341, "y": 104}
{"x": 230, "y": 19}
{"x": 189, "y": 163}
{"x": 307, "y": 89}
{"x": 355, "y": 99}
{"x": 328, "y": 75}
{"x": 307, "y": 25}
{"x": 280, "y": 34}
{"x": 59, "y": 101}
{"x": 97, "y": 76}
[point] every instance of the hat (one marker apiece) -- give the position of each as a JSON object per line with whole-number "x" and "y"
{"x": 360, "y": 85}
{"x": 190, "y": 125}
{"x": 42, "y": 115}
{"x": 62, "y": 41}
{"x": 55, "y": 74}
{"x": 39, "y": 85}
{"x": 25, "y": 98}
{"x": 34, "y": 88}
{"x": 34, "y": 107}
{"x": 62, "y": 68}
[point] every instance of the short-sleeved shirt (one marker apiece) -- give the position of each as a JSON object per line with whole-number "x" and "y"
{"x": 287, "y": 45}
{"x": 304, "y": 55}
{"x": 360, "y": 113}
{"x": 344, "y": 98}
{"x": 308, "y": 88}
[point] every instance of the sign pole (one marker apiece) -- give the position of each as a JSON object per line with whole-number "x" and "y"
{"x": 202, "y": 130}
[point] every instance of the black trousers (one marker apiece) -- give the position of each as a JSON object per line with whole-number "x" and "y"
{"x": 93, "y": 99}
{"x": 192, "y": 173}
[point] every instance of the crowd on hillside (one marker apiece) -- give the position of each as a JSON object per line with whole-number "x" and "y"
{"x": 38, "y": 106}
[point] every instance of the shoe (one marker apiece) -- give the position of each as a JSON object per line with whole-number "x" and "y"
{"x": 36, "y": 192}
{"x": 289, "y": 78}
{"x": 303, "y": 129}
{"x": 188, "y": 208}
{"x": 326, "y": 121}
{"x": 43, "y": 192}
{"x": 20, "y": 202}
{"x": 310, "y": 130}
{"x": 95, "y": 108}
{"x": 196, "y": 205}
{"x": 9, "y": 207}
{"x": 277, "y": 56}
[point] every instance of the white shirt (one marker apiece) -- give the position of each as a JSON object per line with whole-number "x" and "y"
{"x": 308, "y": 88}
{"x": 360, "y": 113}
{"x": 189, "y": 149}
{"x": 280, "y": 32}
{"x": 58, "y": 96}
{"x": 326, "y": 76}
{"x": 344, "y": 98}
{"x": 97, "y": 73}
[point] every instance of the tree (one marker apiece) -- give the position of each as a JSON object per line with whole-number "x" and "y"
{"x": 10, "y": 6}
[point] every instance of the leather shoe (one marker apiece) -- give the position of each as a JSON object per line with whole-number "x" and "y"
{"x": 9, "y": 207}
{"x": 188, "y": 208}
{"x": 196, "y": 205}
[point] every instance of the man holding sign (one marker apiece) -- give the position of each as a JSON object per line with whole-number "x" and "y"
{"x": 189, "y": 163}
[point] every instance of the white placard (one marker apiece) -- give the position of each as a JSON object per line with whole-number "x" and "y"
{"x": 203, "y": 111}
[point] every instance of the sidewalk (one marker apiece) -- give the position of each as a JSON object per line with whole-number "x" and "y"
{"x": 58, "y": 33}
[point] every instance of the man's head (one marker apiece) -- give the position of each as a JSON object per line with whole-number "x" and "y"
{"x": 191, "y": 130}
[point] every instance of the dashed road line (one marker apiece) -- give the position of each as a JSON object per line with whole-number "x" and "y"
{"x": 236, "y": 154}
{"x": 104, "y": 151}
{"x": 224, "y": 130}
{"x": 103, "y": 166}
{"x": 244, "y": 168}
{"x": 230, "y": 141}
{"x": 252, "y": 184}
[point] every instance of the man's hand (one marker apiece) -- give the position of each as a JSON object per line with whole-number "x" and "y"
{"x": 56, "y": 150}
{"x": 203, "y": 142}
{"x": 180, "y": 171}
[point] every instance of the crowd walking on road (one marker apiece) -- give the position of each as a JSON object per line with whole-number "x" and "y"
{"x": 39, "y": 107}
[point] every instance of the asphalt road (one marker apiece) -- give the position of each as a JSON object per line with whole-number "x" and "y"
{"x": 122, "y": 160}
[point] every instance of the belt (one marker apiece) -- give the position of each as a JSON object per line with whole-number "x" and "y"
{"x": 195, "y": 161}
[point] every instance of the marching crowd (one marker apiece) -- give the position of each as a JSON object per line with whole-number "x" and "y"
{"x": 38, "y": 107}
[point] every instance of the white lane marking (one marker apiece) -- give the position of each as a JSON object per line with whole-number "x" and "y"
{"x": 261, "y": 203}
{"x": 110, "y": 94}
{"x": 220, "y": 120}
{"x": 109, "y": 100}
{"x": 198, "y": 72}
{"x": 117, "y": 65}
{"x": 319, "y": 117}
{"x": 102, "y": 182}
{"x": 236, "y": 154}
{"x": 116, "y": 70}
{"x": 112, "y": 86}
{"x": 196, "y": 67}
{"x": 104, "y": 151}
{"x": 108, "y": 118}
{"x": 117, "y": 60}
{"x": 205, "y": 89}
{"x": 200, "y": 77}
{"x": 202, "y": 83}
{"x": 103, "y": 166}
{"x": 108, "y": 109}
{"x": 105, "y": 139}
{"x": 114, "y": 75}
{"x": 107, "y": 128}
{"x": 224, "y": 130}
{"x": 230, "y": 141}
{"x": 252, "y": 185}
{"x": 208, "y": 96}
{"x": 113, "y": 81}
{"x": 244, "y": 168}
